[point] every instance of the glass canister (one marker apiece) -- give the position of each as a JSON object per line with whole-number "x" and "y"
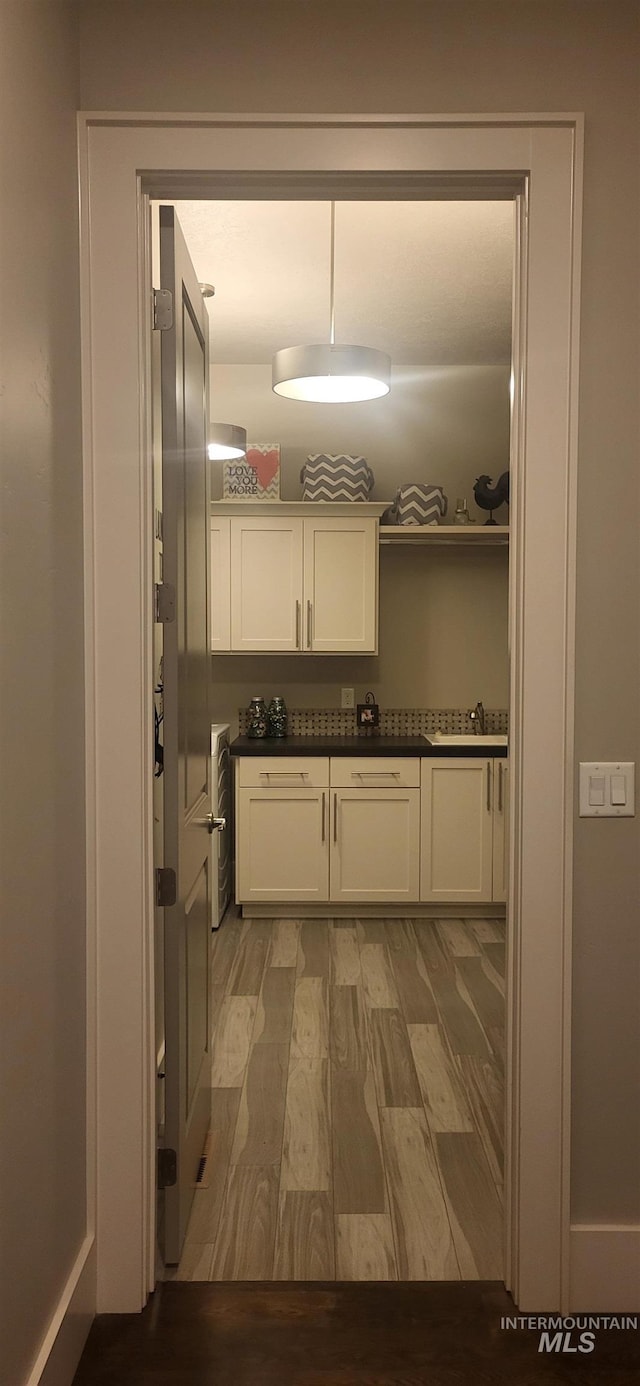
{"x": 461, "y": 516}
{"x": 277, "y": 717}
{"x": 258, "y": 724}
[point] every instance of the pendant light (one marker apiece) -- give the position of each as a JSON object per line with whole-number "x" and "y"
{"x": 328, "y": 374}
{"x": 226, "y": 441}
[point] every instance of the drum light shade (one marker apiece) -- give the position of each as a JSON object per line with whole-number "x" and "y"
{"x": 226, "y": 441}
{"x": 326, "y": 373}
{"x": 331, "y": 374}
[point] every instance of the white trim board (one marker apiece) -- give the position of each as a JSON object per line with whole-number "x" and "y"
{"x": 61, "y": 1347}
{"x": 604, "y": 1269}
{"x": 537, "y": 162}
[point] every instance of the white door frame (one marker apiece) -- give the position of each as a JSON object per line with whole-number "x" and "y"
{"x": 125, "y": 158}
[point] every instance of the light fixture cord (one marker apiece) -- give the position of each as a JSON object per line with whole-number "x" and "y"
{"x": 332, "y": 278}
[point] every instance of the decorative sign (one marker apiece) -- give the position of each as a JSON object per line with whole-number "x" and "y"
{"x": 254, "y": 477}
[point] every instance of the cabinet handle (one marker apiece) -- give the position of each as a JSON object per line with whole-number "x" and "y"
{"x": 500, "y": 786}
{"x": 298, "y": 618}
{"x": 270, "y": 774}
{"x": 375, "y": 774}
{"x": 488, "y": 786}
{"x": 309, "y": 610}
{"x": 335, "y": 818}
{"x": 323, "y": 809}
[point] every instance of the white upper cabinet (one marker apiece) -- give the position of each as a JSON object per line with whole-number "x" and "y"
{"x": 341, "y": 585}
{"x": 220, "y": 583}
{"x": 266, "y": 584}
{"x": 287, "y": 583}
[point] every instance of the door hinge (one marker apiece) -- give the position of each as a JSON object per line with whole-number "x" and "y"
{"x": 165, "y": 603}
{"x": 167, "y": 1168}
{"x": 166, "y": 891}
{"x": 162, "y": 309}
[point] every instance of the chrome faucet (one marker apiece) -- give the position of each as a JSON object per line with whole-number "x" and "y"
{"x": 476, "y": 717}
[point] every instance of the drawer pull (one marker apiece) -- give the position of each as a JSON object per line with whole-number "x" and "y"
{"x": 277, "y": 774}
{"x": 375, "y": 774}
{"x": 323, "y": 815}
{"x": 335, "y": 818}
{"x": 500, "y": 786}
{"x": 488, "y": 786}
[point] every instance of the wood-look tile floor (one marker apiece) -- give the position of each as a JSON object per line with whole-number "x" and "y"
{"x": 357, "y": 1104}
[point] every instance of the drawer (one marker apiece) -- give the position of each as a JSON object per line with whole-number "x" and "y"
{"x": 283, "y": 772}
{"x": 375, "y": 772}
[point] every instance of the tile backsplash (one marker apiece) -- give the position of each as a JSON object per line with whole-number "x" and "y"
{"x": 395, "y": 721}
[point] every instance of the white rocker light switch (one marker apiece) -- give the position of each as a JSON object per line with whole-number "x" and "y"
{"x": 618, "y": 789}
{"x": 596, "y": 790}
{"x": 607, "y": 789}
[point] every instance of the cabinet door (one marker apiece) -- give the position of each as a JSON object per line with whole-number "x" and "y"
{"x": 341, "y": 585}
{"x": 282, "y": 845}
{"x": 456, "y": 829}
{"x": 220, "y": 582}
{"x": 500, "y": 828}
{"x": 266, "y": 583}
{"x": 375, "y": 844}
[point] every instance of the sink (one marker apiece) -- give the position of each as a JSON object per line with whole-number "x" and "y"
{"x": 466, "y": 739}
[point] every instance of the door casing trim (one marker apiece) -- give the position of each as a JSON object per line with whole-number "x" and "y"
{"x": 125, "y": 159}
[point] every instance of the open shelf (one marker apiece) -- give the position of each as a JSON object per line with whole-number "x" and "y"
{"x": 473, "y": 536}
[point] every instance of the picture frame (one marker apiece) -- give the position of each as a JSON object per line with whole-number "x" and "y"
{"x": 256, "y": 476}
{"x": 367, "y": 718}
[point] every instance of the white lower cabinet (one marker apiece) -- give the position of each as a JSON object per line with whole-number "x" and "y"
{"x": 282, "y": 845}
{"x": 456, "y": 830}
{"x": 500, "y": 826}
{"x": 371, "y": 829}
{"x": 375, "y": 844}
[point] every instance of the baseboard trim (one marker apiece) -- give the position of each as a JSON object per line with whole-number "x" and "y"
{"x": 363, "y": 910}
{"x": 62, "y": 1345}
{"x": 604, "y": 1269}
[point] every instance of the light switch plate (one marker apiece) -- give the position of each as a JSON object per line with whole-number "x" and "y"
{"x": 618, "y": 779}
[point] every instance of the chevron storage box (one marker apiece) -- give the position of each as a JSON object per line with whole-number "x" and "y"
{"x": 417, "y": 504}
{"x": 336, "y": 477}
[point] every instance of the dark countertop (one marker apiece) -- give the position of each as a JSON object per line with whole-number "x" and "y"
{"x": 355, "y": 746}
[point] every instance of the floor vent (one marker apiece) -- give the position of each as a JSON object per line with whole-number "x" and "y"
{"x": 202, "y": 1177}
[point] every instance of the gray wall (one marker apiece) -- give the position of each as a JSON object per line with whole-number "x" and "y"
{"x": 443, "y": 616}
{"x": 486, "y": 55}
{"x": 42, "y": 1014}
{"x": 442, "y": 643}
{"x": 443, "y": 426}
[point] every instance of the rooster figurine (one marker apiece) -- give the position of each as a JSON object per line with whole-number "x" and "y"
{"x": 489, "y": 497}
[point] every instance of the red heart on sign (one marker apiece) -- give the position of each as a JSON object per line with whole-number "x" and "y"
{"x": 266, "y": 464}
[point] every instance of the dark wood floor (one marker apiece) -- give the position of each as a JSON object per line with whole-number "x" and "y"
{"x": 438, "y": 1334}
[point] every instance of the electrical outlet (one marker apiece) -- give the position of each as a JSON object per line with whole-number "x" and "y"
{"x": 348, "y": 697}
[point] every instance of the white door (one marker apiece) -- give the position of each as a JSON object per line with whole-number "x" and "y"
{"x": 266, "y": 584}
{"x": 282, "y": 844}
{"x": 341, "y": 585}
{"x": 187, "y": 726}
{"x": 220, "y": 550}
{"x": 375, "y": 844}
{"x": 500, "y": 826}
{"x": 456, "y": 829}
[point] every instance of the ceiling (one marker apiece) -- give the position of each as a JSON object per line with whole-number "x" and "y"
{"x": 427, "y": 282}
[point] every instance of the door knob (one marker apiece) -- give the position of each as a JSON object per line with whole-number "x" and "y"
{"x": 210, "y": 822}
